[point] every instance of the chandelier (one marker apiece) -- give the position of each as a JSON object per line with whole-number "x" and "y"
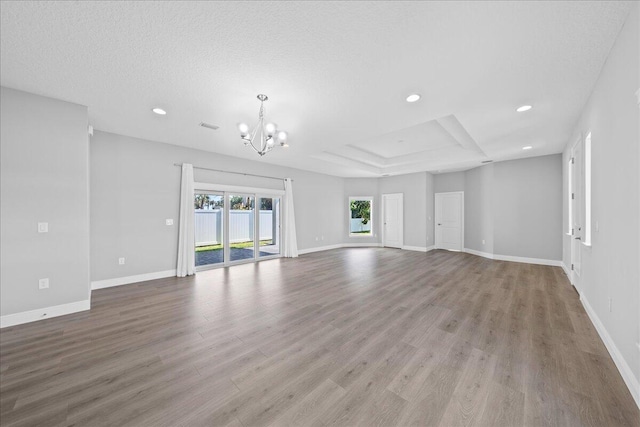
{"x": 264, "y": 136}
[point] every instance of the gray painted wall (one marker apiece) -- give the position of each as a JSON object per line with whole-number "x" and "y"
{"x": 417, "y": 227}
{"x": 527, "y": 206}
{"x": 478, "y": 209}
{"x": 452, "y": 181}
{"x": 135, "y": 187}
{"x": 514, "y": 206}
{"x": 611, "y": 267}
{"x": 44, "y": 178}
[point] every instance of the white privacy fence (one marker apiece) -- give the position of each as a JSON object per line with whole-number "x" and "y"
{"x": 209, "y": 226}
{"x": 357, "y": 225}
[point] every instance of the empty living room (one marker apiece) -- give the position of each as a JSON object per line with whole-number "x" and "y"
{"x": 311, "y": 213}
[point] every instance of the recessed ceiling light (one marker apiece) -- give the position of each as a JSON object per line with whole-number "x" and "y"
{"x": 523, "y": 108}
{"x": 413, "y": 97}
{"x": 159, "y": 111}
{"x": 527, "y": 147}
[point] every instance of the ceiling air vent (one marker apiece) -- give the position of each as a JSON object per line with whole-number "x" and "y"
{"x": 208, "y": 126}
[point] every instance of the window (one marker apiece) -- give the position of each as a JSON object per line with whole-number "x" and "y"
{"x": 587, "y": 190}
{"x": 360, "y": 216}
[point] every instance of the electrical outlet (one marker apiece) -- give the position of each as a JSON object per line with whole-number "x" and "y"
{"x": 43, "y": 227}
{"x": 169, "y": 221}
{"x": 610, "y": 309}
{"x": 483, "y": 241}
{"x": 121, "y": 261}
{"x": 43, "y": 284}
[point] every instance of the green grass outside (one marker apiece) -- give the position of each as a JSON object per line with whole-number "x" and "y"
{"x": 240, "y": 245}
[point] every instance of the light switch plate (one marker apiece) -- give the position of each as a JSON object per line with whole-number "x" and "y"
{"x": 43, "y": 227}
{"x": 43, "y": 283}
{"x": 169, "y": 221}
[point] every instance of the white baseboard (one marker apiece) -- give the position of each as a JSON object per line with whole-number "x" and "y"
{"x": 418, "y": 248}
{"x": 362, "y": 245}
{"x": 539, "y": 261}
{"x": 338, "y": 246}
{"x": 44, "y": 313}
{"x": 479, "y": 253}
{"x": 108, "y": 283}
{"x": 627, "y": 375}
{"x": 525, "y": 260}
{"x": 566, "y": 271}
{"x": 318, "y": 249}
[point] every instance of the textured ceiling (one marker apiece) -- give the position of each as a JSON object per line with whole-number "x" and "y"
{"x": 336, "y": 73}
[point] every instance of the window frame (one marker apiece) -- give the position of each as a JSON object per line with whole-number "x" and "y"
{"x": 371, "y": 216}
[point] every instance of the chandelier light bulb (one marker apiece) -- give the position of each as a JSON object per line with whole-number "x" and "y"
{"x": 243, "y": 128}
{"x": 270, "y": 129}
{"x": 282, "y": 136}
{"x": 270, "y": 142}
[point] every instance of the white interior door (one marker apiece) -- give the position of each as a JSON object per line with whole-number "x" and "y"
{"x": 449, "y": 221}
{"x": 392, "y": 220}
{"x": 577, "y": 178}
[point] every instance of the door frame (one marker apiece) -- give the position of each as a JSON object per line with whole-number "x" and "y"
{"x": 257, "y": 193}
{"x": 575, "y": 248}
{"x": 435, "y": 222}
{"x": 384, "y": 219}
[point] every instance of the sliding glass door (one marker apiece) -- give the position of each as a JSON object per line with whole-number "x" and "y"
{"x": 241, "y": 227}
{"x": 229, "y": 229}
{"x": 209, "y": 228}
{"x": 269, "y": 226}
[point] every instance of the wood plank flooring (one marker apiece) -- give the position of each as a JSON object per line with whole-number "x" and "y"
{"x": 351, "y": 337}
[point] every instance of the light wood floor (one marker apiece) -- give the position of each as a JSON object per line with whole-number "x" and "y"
{"x": 364, "y": 336}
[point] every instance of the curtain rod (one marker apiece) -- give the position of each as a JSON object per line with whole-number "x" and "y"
{"x": 237, "y": 173}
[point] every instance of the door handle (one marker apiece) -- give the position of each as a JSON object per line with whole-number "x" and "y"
{"x": 578, "y": 238}
{"x": 439, "y": 224}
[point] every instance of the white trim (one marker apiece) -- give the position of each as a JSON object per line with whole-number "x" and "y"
{"x": 318, "y": 249}
{"x": 417, "y": 248}
{"x": 44, "y": 313}
{"x": 539, "y": 261}
{"x": 627, "y": 375}
{"x": 339, "y": 246}
{"x": 362, "y": 245}
{"x": 567, "y": 271}
{"x": 525, "y": 260}
{"x": 236, "y": 189}
{"x": 118, "y": 281}
{"x": 478, "y": 253}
